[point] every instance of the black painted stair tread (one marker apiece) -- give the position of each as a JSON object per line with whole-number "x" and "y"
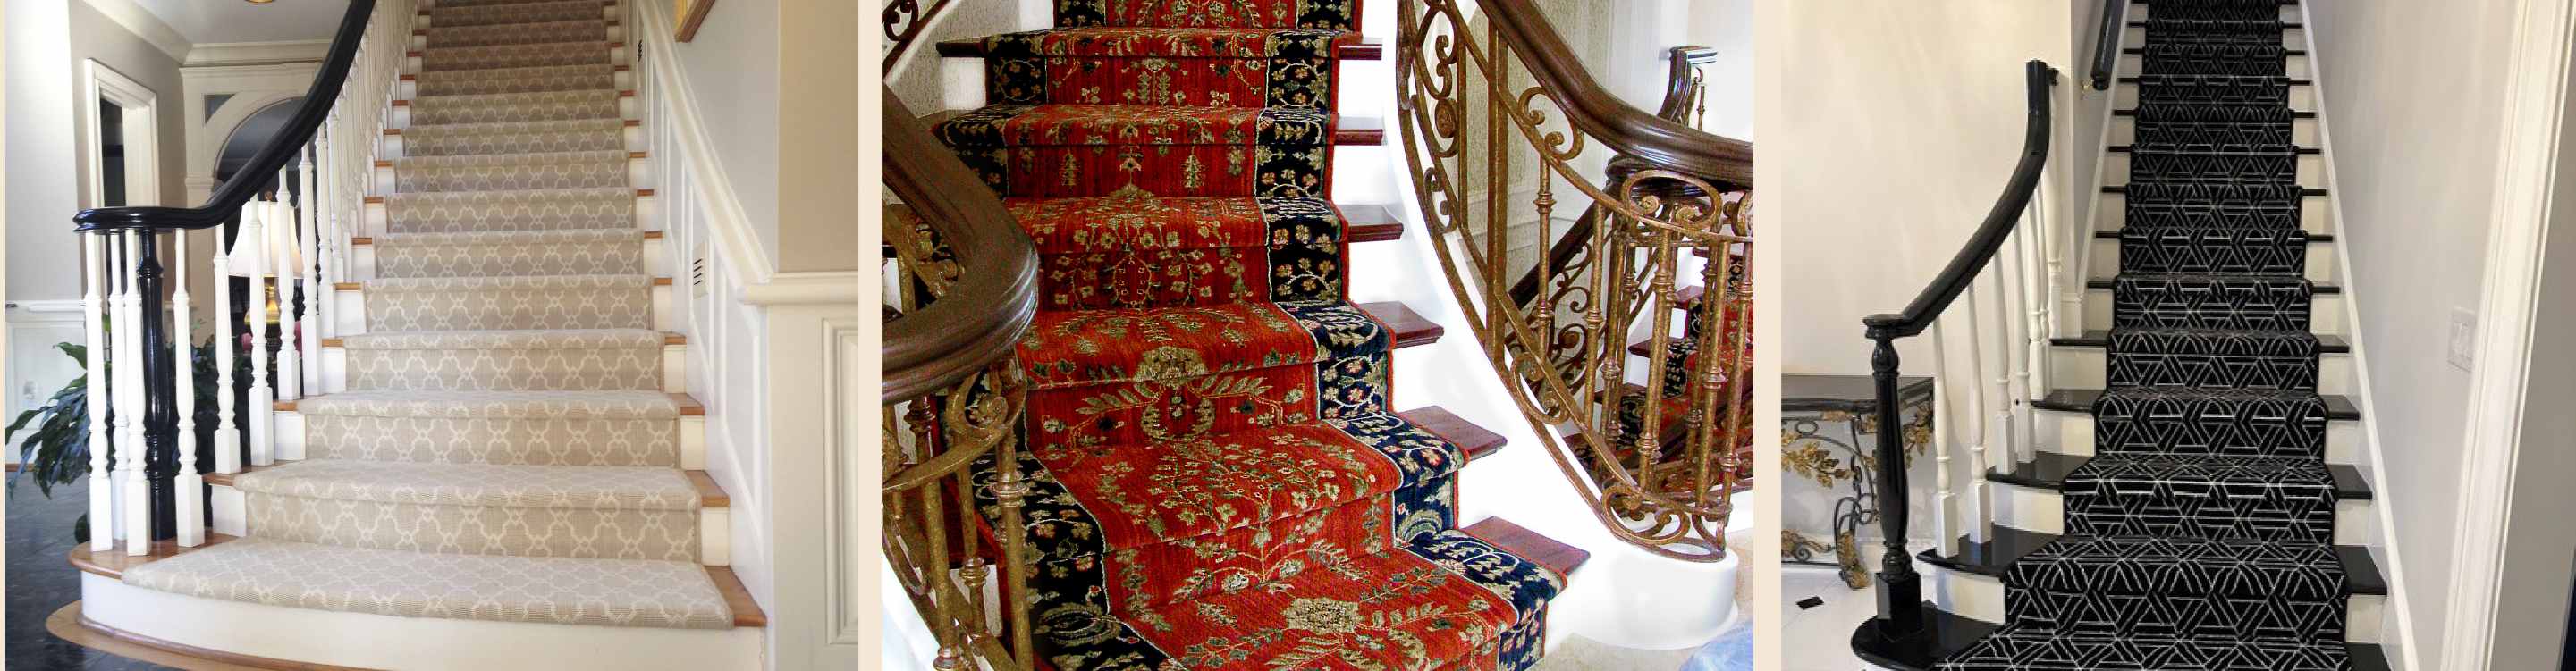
{"x": 2338, "y": 407}
{"x": 2005, "y": 545}
{"x": 2019, "y": 648}
{"x": 2049, "y": 470}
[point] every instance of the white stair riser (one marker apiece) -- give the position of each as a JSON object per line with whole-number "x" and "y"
{"x": 2142, "y": 11}
{"x": 2115, "y": 170}
{"x": 351, "y": 310}
{"x": 647, "y": 215}
{"x": 2086, "y": 368}
{"x": 2132, "y": 64}
{"x": 616, "y": 33}
{"x": 616, "y": 56}
{"x": 2106, "y": 260}
{"x": 368, "y": 640}
{"x": 639, "y": 174}
{"x": 633, "y": 136}
{"x": 1982, "y": 597}
{"x": 2044, "y": 510}
{"x": 401, "y": 118}
{"x": 715, "y": 525}
{"x": 623, "y": 79}
{"x": 2112, "y": 213}
{"x": 608, "y": 12}
{"x": 2124, "y": 131}
{"x": 2074, "y": 431}
{"x": 2137, "y": 35}
{"x": 2325, "y": 312}
{"x": 362, "y": 260}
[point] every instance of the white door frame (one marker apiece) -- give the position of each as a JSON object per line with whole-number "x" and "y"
{"x": 100, "y": 83}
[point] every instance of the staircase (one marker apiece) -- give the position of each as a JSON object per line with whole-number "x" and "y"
{"x": 2194, "y": 499}
{"x": 498, "y": 466}
{"x": 1215, "y": 474}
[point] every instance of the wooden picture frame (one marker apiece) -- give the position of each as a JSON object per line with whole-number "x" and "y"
{"x": 690, "y": 13}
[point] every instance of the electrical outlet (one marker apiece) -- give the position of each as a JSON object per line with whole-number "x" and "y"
{"x": 2464, "y": 338}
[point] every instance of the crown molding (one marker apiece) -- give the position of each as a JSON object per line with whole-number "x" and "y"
{"x": 144, "y": 24}
{"x": 256, "y": 53}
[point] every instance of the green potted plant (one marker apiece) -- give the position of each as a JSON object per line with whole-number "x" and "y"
{"x": 58, "y": 450}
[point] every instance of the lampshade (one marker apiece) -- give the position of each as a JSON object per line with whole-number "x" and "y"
{"x": 248, "y": 256}
{"x": 284, "y": 228}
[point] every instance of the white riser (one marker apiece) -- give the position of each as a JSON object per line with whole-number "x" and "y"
{"x": 639, "y": 174}
{"x": 2044, "y": 510}
{"x": 2132, "y": 64}
{"x": 2088, "y": 367}
{"x": 401, "y": 118}
{"x": 2106, "y": 260}
{"x": 634, "y": 141}
{"x": 2124, "y": 131}
{"x": 624, "y": 80}
{"x": 616, "y": 33}
{"x": 2136, "y": 36}
{"x": 430, "y": 644}
{"x": 2315, "y": 215}
{"x": 609, "y": 12}
{"x": 2325, "y": 312}
{"x": 1982, "y": 597}
{"x": 2115, "y": 171}
{"x": 2074, "y": 432}
{"x": 647, "y": 216}
{"x": 616, "y": 56}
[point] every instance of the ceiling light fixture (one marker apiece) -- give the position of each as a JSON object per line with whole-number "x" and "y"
{"x": 261, "y": 2}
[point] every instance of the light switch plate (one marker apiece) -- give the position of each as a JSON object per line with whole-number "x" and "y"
{"x": 2464, "y": 338}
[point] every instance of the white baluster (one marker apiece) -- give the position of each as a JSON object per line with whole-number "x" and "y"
{"x": 137, "y": 496}
{"x": 227, "y": 438}
{"x": 95, "y": 271}
{"x": 308, "y": 345}
{"x": 190, "y": 486}
{"x": 330, "y": 239}
{"x": 251, "y": 251}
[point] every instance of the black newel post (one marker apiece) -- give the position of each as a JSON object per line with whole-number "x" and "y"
{"x": 1900, "y": 589}
{"x": 160, "y": 392}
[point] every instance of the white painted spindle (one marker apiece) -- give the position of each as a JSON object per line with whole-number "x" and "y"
{"x": 95, "y": 271}
{"x": 263, "y": 434}
{"x": 136, "y": 495}
{"x": 227, "y": 438}
{"x": 281, "y": 246}
{"x": 190, "y": 510}
{"x": 308, "y": 342}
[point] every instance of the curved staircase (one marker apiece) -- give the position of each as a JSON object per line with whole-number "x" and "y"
{"x": 499, "y": 470}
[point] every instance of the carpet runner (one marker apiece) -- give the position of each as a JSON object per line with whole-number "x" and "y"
{"x": 2200, "y": 535}
{"x": 1217, "y": 479}
{"x": 505, "y": 450}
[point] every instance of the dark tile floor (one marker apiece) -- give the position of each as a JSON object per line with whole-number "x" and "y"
{"x": 42, "y": 581}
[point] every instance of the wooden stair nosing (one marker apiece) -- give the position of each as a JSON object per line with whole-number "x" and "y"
{"x": 1475, "y": 440}
{"x": 1370, "y": 223}
{"x": 1531, "y": 545}
{"x": 1408, "y": 328}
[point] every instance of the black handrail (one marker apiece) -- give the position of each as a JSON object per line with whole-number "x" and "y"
{"x": 1900, "y": 623}
{"x": 2106, "y": 52}
{"x": 227, "y": 200}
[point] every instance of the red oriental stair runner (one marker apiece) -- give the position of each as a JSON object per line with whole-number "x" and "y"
{"x": 1217, "y": 479}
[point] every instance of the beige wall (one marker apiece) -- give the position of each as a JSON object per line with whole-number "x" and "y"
{"x": 1885, "y": 138}
{"x": 2411, "y": 92}
{"x": 53, "y": 38}
{"x": 818, "y": 223}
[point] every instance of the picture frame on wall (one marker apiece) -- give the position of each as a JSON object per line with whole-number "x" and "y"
{"x": 691, "y": 14}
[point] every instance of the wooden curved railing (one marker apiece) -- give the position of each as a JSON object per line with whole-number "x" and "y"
{"x": 1900, "y": 624}
{"x": 1658, "y": 465}
{"x": 969, "y": 278}
{"x": 146, "y": 408}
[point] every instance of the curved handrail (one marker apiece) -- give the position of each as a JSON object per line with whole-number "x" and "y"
{"x": 1680, "y": 92}
{"x": 1681, "y": 89}
{"x": 1723, "y": 162}
{"x": 990, "y": 307}
{"x": 904, "y": 20}
{"x": 228, "y": 199}
{"x": 1990, "y": 235}
{"x": 2105, "y": 56}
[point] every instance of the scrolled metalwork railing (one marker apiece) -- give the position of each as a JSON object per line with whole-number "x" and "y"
{"x": 2002, "y": 263}
{"x": 1656, "y": 462}
{"x": 296, "y": 233}
{"x": 904, "y": 21}
{"x": 969, "y": 290}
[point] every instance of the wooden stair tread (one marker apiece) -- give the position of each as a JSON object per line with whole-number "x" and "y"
{"x": 113, "y": 563}
{"x": 1410, "y": 327}
{"x": 1367, "y": 49}
{"x": 1531, "y": 545}
{"x": 746, "y": 612}
{"x": 1370, "y": 223}
{"x": 1477, "y": 441}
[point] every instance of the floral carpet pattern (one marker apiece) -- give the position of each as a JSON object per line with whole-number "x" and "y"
{"x": 1217, "y": 478}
